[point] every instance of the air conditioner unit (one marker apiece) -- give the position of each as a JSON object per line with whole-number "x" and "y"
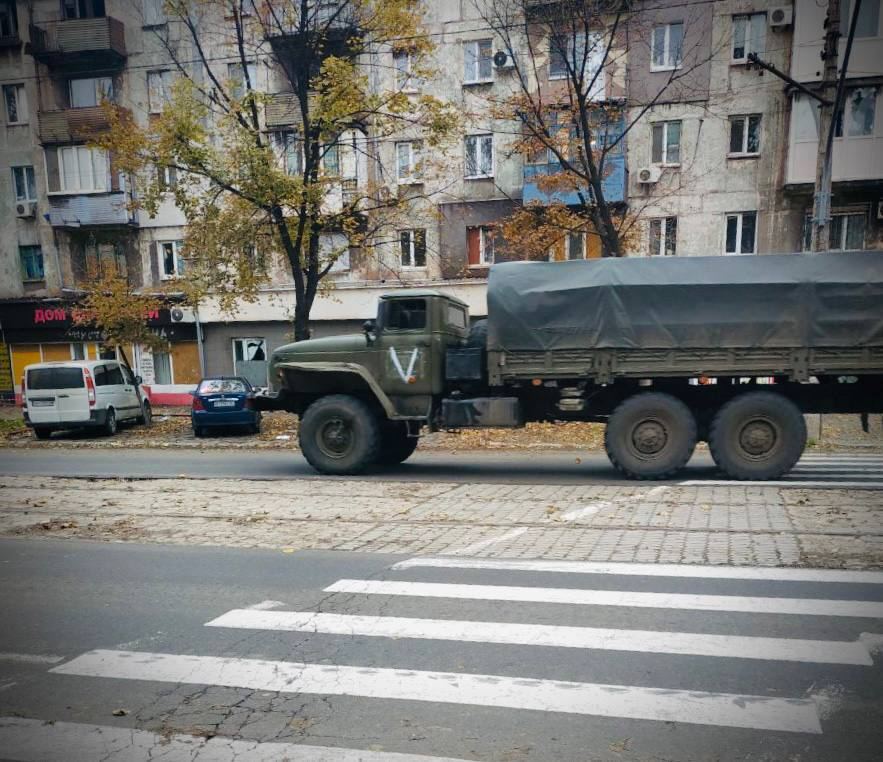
{"x": 504, "y": 60}
{"x": 649, "y": 175}
{"x": 177, "y": 314}
{"x": 26, "y": 210}
{"x": 781, "y": 17}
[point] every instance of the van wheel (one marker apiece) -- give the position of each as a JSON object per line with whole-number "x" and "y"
{"x": 110, "y": 423}
{"x": 42, "y": 433}
{"x": 650, "y": 436}
{"x": 395, "y": 445}
{"x": 340, "y": 434}
{"x": 146, "y": 417}
{"x": 758, "y": 435}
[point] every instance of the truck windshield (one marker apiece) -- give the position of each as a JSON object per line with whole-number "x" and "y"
{"x": 55, "y": 378}
{"x": 404, "y": 314}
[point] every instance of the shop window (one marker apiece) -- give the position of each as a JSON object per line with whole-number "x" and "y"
{"x": 78, "y": 351}
{"x": 162, "y": 368}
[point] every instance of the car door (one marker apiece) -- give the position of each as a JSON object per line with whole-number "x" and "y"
{"x": 121, "y": 392}
{"x": 133, "y": 401}
{"x": 406, "y": 354}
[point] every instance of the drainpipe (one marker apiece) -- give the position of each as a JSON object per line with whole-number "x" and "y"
{"x": 199, "y": 343}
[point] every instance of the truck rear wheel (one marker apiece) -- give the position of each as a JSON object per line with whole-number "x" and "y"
{"x": 650, "y": 436}
{"x": 759, "y": 435}
{"x": 340, "y": 434}
{"x": 395, "y": 445}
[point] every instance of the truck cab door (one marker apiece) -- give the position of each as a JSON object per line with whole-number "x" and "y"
{"x": 404, "y": 344}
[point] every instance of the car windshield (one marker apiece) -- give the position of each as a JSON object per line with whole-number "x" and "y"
{"x": 222, "y": 385}
{"x": 55, "y": 378}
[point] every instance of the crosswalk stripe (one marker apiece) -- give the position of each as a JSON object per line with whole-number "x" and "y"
{"x": 595, "y": 699}
{"x": 769, "y": 573}
{"x": 29, "y": 740}
{"x": 510, "y": 633}
{"x": 753, "y": 605}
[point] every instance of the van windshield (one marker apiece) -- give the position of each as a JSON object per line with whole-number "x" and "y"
{"x": 55, "y": 378}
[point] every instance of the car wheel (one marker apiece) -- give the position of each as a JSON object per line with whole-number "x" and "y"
{"x": 395, "y": 445}
{"x": 110, "y": 423}
{"x": 255, "y": 428}
{"x": 42, "y": 433}
{"x": 339, "y": 434}
{"x": 198, "y": 432}
{"x": 650, "y": 436}
{"x": 758, "y": 435}
{"x": 146, "y": 417}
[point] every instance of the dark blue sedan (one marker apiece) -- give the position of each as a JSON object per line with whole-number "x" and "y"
{"x": 224, "y": 401}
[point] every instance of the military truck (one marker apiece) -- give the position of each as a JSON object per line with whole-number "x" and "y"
{"x": 665, "y": 352}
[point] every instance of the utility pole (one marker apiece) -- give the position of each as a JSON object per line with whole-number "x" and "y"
{"x": 821, "y": 207}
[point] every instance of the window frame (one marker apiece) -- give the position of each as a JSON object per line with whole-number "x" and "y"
{"x": 177, "y": 245}
{"x": 414, "y": 158}
{"x": 845, "y": 215}
{"x": 476, "y": 78}
{"x": 486, "y": 246}
{"x": 412, "y": 234}
{"x": 568, "y": 240}
{"x": 748, "y": 41}
{"x": 664, "y": 124}
{"x": 156, "y": 6}
{"x": 22, "y": 112}
{"x": 13, "y": 19}
{"x": 95, "y": 90}
{"x": 29, "y": 181}
{"x": 63, "y": 188}
{"x": 166, "y": 79}
{"x": 33, "y": 250}
{"x": 740, "y": 220}
{"x": 284, "y": 141}
{"x": 409, "y": 83}
{"x": 478, "y": 139}
{"x": 666, "y": 47}
{"x": 668, "y": 234}
{"x": 844, "y": 123}
{"x": 746, "y": 120}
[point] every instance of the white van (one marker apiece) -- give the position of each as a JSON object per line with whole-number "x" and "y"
{"x": 81, "y": 393}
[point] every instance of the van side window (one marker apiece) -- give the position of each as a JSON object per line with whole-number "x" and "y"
{"x": 405, "y": 315}
{"x": 114, "y": 375}
{"x": 100, "y": 375}
{"x": 127, "y": 375}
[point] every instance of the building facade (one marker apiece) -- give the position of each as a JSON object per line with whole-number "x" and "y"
{"x": 714, "y": 156}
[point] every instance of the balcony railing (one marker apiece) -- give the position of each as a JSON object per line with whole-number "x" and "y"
{"x": 90, "y": 210}
{"x": 79, "y": 42}
{"x": 73, "y": 124}
{"x": 613, "y": 183}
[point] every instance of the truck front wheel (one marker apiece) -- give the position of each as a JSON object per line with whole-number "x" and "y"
{"x": 340, "y": 434}
{"x": 758, "y": 435}
{"x": 395, "y": 445}
{"x": 650, "y": 436}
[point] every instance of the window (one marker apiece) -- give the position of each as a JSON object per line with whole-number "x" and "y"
{"x": 403, "y": 62}
{"x": 250, "y": 350}
{"x": 859, "y": 109}
{"x": 576, "y": 245}
{"x": 479, "y": 156}
{"x": 153, "y": 13}
{"x": 666, "y": 143}
{"x": 82, "y": 169}
{"x": 664, "y": 237}
{"x": 114, "y": 375}
{"x": 667, "y": 41}
{"x": 24, "y": 184}
{"x": 78, "y": 351}
{"x": 741, "y": 233}
{"x": 159, "y": 90}
{"x": 868, "y": 22}
{"x": 585, "y": 56}
{"x": 82, "y": 9}
{"x": 412, "y": 245}
{"x": 162, "y": 368}
{"x": 55, "y": 378}
{"x": 846, "y": 232}
{"x": 331, "y": 158}
{"x": 16, "y": 101}
{"x": 223, "y": 386}
{"x": 408, "y": 162}
{"x": 104, "y": 258}
{"x": 480, "y": 246}
{"x": 8, "y": 19}
{"x": 172, "y": 263}
{"x": 745, "y": 135}
{"x": 236, "y": 75}
{"x": 107, "y": 353}
{"x": 404, "y": 314}
{"x": 31, "y": 258}
{"x": 478, "y": 61}
{"x": 167, "y": 178}
{"x": 457, "y": 317}
{"x": 89, "y": 92}
{"x": 749, "y": 36}
{"x": 288, "y": 150}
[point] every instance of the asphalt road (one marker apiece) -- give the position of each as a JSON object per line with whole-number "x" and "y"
{"x": 426, "y": 659}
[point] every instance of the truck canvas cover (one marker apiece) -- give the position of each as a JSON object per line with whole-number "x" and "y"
{"x": 739, "y": 302}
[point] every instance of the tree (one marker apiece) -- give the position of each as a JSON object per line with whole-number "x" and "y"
{"x": 567, "y": 104}
{"x": 253, "y": 195}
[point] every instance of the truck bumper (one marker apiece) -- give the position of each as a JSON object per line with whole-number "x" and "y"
{"x": 269, "y": 401}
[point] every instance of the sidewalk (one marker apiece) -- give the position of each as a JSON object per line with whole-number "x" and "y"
{"x": 767, "y": 526}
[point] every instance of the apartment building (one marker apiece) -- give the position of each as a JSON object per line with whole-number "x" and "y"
{"x": 714, "y": 156}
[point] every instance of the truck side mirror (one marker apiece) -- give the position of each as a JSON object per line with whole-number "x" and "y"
{"x": 369, "y": 327}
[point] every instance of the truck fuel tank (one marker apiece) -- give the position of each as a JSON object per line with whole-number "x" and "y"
{"x": 481, "y": 412}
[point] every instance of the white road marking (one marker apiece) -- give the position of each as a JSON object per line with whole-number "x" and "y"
{"x": 31, "y": 658}
{"x": 769, "y": 573}
{"x": 482, "y": 544}
{"x": 265, "y": 606}
{"x": 752, "y": 605}
{"x": 643, "y": 641}
{"x": 590, "y": 510}
{"x": 37, "y": 741}
{"x": 624, "y": 701}
{"x": 793, "y": 484}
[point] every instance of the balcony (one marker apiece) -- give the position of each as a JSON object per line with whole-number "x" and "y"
{"x": 73, "y": 124}
{"x": 79, "y": 43}
{"x": 614, "y": 183}
{"x": 99, "y": 210}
